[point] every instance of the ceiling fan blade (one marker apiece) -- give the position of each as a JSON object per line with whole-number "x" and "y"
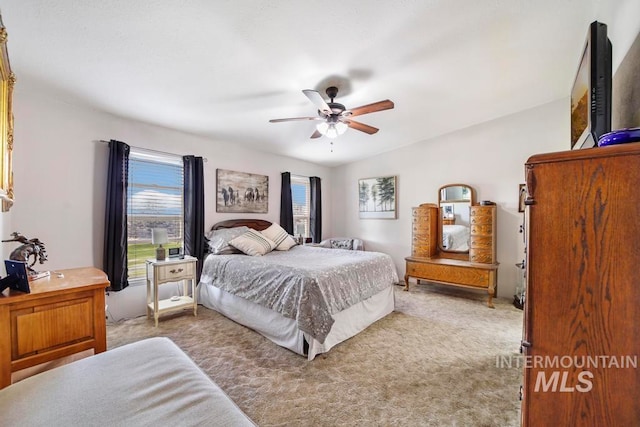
{"x": 316, "y": 134}
{"x": 361, "y": 127}
{"x": 295, "y": 119}
{"x": 318, "y": 101}
{"x": 369, "y": 108}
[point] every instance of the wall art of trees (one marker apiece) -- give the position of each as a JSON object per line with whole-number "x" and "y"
{"x": 377, "y": 197}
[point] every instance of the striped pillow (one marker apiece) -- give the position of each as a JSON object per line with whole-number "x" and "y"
{"x": 279, "y": 236}
{"x": 253, "y": 243}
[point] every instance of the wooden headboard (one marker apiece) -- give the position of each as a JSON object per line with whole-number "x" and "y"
{"x": 256, "y": 224}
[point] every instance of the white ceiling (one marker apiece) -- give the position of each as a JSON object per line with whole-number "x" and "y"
{"x": 223, "y": 68}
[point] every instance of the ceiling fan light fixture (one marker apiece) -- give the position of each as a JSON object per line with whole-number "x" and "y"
{"x": 341, "y": 127}
{"x": 334, "y": 117}
{"x": 322, "y": 127}
{"x": 332, "y": 130}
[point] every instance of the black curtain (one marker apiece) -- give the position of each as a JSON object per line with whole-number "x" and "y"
{"x": 315, "y": 216}
{"x": 115, "y": 225}
{"x": 194, "y": 240}
{"x": 286, "y": 203}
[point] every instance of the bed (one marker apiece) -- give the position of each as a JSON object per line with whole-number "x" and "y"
{"x": 149, "y": 382}
{"x": 307, "y": 299}
{"x": 455, "y": 237}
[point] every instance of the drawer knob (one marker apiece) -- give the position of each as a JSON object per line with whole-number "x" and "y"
{"x": 174, "y": 271}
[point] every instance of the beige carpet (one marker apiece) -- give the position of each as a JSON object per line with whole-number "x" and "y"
{"x": 432, "y": 362}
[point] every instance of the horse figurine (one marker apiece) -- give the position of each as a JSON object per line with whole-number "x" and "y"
{"x": 29, "y": 248}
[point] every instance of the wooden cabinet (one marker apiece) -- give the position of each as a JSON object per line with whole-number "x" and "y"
{"x": 63, "y": 314}
{"x": 582, "y": 310}
{"x": 482, "y": 236}
{"x": 476, "y": 269}
{"x": 424, "y": 231}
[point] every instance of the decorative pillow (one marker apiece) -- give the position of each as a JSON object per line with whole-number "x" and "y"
{"x": 219, "y": 240}
{"x": 342, "y": 244}
{"x": 279, "y": 236}
{"x": 253, "y": 243}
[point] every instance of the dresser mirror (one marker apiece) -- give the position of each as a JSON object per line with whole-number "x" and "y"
{"x": 454, "y": 201}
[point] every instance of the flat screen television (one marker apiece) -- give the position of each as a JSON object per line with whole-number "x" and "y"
{"x": 591, "y": 91}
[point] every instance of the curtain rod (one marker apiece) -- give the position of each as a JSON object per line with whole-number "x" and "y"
{"x": 204, "y": 159}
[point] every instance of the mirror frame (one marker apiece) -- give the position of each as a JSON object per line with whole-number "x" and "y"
{"x": 7, "y": 82}
{"x": 472, "y": 202}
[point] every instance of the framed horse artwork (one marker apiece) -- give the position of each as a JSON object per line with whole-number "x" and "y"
{"x": 241, "y": 192}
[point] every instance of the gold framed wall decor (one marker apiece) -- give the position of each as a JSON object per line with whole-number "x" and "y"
{"x": 7, "y": 82}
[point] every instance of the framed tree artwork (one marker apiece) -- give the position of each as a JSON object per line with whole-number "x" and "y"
{"x": 378, "y": 198}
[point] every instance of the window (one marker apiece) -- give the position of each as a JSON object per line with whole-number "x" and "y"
{"x": 154, "y": 200}
{"x": 301, "y": 197}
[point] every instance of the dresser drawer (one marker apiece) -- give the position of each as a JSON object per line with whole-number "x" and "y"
{"x": 169, "y": 272}
{"x": 420, "y": 249}
{"x": 481, "y": 242}
{"x": 481, "y": 219}
{"x": 484, "y": 256}
{"x": 421, "y": 219}
{"x": 468, "y": 275}
{"x": 482, "y": 229}
{"x": 481, "y": 214}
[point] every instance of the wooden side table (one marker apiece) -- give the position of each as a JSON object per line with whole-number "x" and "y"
{"x": 64, "y": 314}
{"x": 171, "y": 270}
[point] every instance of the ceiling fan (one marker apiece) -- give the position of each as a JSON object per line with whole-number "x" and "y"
{"x": 334, "y": 118}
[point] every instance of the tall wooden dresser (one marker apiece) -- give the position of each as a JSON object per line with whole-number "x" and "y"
{"x": 482, "y": 236}
{"x": 581, "y": 338}
{"x": 424, "y": 231}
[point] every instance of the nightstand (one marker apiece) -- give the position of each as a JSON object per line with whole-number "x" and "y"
{"x": 64, "y": 314}
{"x": 171, "y": 270}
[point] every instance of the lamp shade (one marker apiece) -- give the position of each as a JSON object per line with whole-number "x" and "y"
{"x": 333, "y": 129}
{"x": 159, "y": 236}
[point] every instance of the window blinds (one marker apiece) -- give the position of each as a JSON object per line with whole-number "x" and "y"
{"x": 154, "y": 200}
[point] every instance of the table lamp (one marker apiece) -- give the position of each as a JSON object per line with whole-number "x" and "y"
{"x": 158, "y": 237}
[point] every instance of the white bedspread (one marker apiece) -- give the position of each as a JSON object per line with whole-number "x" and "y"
{"x": 307, "y": 284}
{"x": 455, "y": 237}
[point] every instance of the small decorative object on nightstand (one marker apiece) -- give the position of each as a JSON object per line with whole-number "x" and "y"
{"x": 158, "y": 237}
{"x": 171, "y": 270}
{"x": 30, "y": 248}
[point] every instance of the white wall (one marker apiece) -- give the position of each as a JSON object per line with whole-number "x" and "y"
{"x": 489, "y": 157}
{"x": 60, "y": 176}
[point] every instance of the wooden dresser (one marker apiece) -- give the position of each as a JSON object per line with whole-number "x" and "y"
{"x": 582, "y": 304}
{"x": 424, "y": 230}
{"x": 478, "y": 269}
{"x": 63, "y": 314}
{"x": 482, "y": 236}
